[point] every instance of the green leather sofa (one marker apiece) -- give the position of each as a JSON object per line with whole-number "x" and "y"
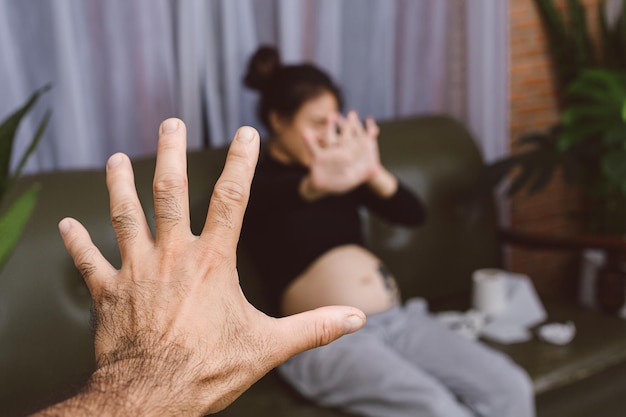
{"x": 46, "y": 346}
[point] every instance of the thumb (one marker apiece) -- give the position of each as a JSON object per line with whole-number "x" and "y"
{"x": 319, "y": 327}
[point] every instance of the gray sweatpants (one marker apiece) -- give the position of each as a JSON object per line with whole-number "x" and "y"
{"x": 406, "y": 363}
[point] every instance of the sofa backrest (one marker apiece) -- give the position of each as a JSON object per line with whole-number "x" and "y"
{"x": 46, "y": 345}
{"x": 438, "y": 158}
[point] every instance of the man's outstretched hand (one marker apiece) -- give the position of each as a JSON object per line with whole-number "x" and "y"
{"x": 174, "y": 333}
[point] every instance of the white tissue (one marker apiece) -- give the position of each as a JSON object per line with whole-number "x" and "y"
{"x": 506, "y": 317}
{"x": 524, "y": 306}
{"x": 523, "y": 309}
{"x": 557, "y": 333}
{"x": 506, "y": 333}
{"x": 468, "y": 324}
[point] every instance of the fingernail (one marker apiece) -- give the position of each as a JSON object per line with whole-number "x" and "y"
{"x": 114, "y": 160}
{"x": 245, "y": 134}
{"x": 352, "y": 324}
{"x": 64, "y": 226}
{"x": 169, "y": 126}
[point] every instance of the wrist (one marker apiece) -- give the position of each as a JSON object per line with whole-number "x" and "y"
{"x": 139, "y": 386}
{"x": 383, "y": 182}
{"x": 159, "y": 381}
{"x": 145, "y": 384}
{"x": 308, "y": 191}
{"x": 376, "y": 173}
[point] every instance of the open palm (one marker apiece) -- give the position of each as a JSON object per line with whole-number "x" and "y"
{"x": 348, "y": 156}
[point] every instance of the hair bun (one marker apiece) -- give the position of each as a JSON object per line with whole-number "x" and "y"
{"x": 262, "y": 65}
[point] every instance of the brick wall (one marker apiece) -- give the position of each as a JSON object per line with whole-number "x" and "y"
{"x": 533, "y": 107}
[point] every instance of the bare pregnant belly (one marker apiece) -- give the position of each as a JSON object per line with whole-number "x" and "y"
{"x": 346, "y": 275}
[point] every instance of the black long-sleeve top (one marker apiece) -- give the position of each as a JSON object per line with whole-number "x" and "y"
{"x": 283, "y": 233}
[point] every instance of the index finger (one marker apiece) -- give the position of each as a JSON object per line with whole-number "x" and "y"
{"x": 231, "y": 192}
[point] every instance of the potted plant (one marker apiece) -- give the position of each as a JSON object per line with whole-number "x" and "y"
{"x": 589, "y": 142}
{"x": 15, "y": 214}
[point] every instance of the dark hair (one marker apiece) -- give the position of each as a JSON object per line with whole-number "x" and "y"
{"x": 285, "y": 88}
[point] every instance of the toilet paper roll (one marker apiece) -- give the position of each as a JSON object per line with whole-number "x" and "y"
{"x": 489, "y": 290}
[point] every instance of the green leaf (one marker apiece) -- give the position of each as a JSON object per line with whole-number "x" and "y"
{"x": 614, "y": 167}
{"x": 521, "y": 180}
{"x": 497, "y": 171}
{"x": 598, "y": 84}
{"x": 14, "y": 220}
{"x": 572, "y": 136}
{"x": 575, "y": 114}
{"x": 542, "y": 178}
{"x": 581, "y": 91}
{"x": 537, "y": 139}
{"x": 615, "y": 136}
{"x": 562, "y": 46}
{"x": 580, "y": 33}
{"x": 33, "y": 144}
{"x": 8, "y": 129}
{"x": 572, "y": 170}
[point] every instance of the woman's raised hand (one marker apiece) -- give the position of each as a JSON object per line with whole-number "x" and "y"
{"x": 346, "y": 157}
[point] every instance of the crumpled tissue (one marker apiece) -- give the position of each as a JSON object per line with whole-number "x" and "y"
{"x": 557, "y": 333}
{"x": 522, "y": 310}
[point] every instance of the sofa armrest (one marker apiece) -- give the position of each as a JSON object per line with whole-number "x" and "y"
{"x": 610, "y": 279}
{"x": 541, "y": 241}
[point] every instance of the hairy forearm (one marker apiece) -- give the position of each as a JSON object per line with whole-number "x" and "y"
{"x": 92, "y": 401}
{"x": 140, "y": 386}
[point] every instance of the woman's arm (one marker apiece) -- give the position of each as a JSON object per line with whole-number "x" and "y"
{"x": 384, "y": 184}
{"x": 402, "y": 206}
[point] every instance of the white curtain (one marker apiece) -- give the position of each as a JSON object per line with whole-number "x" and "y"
{"x": 112, "y": 71}
{"x": 487, "y": 76}
{"x": 118, "y": 67}
{"x": 387, "y": 55}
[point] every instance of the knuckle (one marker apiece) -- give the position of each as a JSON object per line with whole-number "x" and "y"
{"x": 84, "y": 262}
{"x": 123, "y": 208}
{"x": 167, "y": 190}
{"x": 167, "y": 212}
{"x": 228, "y": 191}
{"x": 124, "y": 221}
{"x": 324, "y": 332}
{"x": 215, "y": 260}
{"x": 221, "y": 214}
{"x": 169, "y": 184}
{"x": 87, "y": 270}
{"x": 169, "y": 257}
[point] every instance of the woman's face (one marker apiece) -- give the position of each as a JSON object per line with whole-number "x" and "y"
{"x": 312, "y": 119}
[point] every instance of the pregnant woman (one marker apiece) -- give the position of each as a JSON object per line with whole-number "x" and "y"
{"x": 303, "y": 233}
